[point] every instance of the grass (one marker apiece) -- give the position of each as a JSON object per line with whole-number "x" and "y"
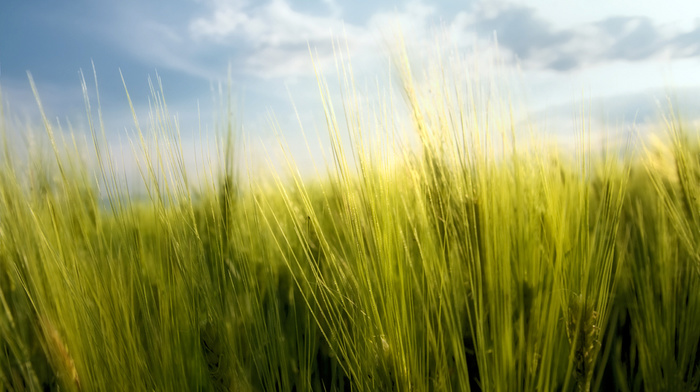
{"x": 467, "y": 262}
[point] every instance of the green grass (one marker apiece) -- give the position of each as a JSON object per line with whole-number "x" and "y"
{"x": 466, "y": 262}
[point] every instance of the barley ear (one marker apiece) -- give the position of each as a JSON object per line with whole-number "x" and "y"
{"x": 59, "y": 354}
{"x": 582, "y": 331}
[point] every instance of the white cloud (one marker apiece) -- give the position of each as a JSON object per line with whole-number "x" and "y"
{"x": 274, "y": 37}
{"x": 563, "y": 14}
{"x": 226, "y": 19}
{"x": 274, "y": 23}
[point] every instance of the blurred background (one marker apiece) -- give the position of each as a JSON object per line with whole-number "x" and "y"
{"x": 621, "y": 59}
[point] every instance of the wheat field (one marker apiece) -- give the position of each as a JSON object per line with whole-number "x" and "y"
{"x": 464, "y": 260}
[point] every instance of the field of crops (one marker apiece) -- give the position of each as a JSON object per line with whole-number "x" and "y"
{"x": 465, "y": 261}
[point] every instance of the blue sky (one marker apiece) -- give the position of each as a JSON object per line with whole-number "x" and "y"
{"x": 620, "y": 55}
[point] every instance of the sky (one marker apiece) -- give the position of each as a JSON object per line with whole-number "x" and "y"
{"x": 621, "y": 57}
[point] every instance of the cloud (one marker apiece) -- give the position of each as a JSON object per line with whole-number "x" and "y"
{"x": 274, "y": 38}
{"x": 519, "y": 29}
{"x": 687, "y": 44}
{"x": 633, "y": 39}
{"x": 534, "y": 41}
